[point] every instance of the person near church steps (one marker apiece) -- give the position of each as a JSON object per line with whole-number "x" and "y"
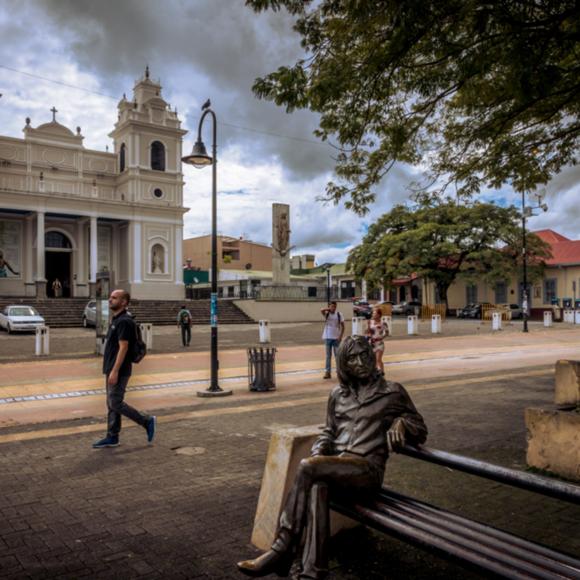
{"x": 184, "y": 322}
{"x": 332, "y": 334}
{"x": 117, "y": 367}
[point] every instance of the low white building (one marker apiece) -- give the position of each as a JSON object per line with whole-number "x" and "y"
{"x": 68, "y": 212}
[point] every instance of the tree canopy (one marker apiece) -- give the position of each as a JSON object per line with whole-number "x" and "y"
{"x": 481, "y": 93}
{"x": 441, "y": 241}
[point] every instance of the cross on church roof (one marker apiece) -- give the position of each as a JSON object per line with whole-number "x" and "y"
{"x": 54, "y": 112}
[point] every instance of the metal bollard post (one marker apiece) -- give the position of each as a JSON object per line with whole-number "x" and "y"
{"x": 436, "y": 324}
{"x": 100, "y": 345}
{"x": 388, "y": 322}
{"x": 264, "y": 331}
{"x": 412, "y": 325}
{"x": 262, "y": 369}
{"x": 496, "y": 321}
{"x": 358, "y": 326}
{"x": 42, "y": 341}
{"x": 547, "y": 318}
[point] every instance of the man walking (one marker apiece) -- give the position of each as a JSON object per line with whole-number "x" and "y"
{"x": 184, "y": 321}
{"x": 332, "y": 334}
{"x": 117, "y": 366}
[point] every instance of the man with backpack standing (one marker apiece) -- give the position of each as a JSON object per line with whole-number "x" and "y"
{"x": 332, "y": 334}
{"x": 120, "y": 351}
{"x": 184, "y": 322}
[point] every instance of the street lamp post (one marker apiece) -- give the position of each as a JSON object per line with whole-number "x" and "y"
{"x": 199, "y": 158}
{"x": 328, "y": 284}
{"x": 527, "y": 211}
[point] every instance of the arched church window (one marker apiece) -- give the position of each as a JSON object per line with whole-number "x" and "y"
{"x": 122, "y": 158}
{"x": 158, "y": 156}
{"x": 158, "y": 259}
{"x": 56, "y": 240}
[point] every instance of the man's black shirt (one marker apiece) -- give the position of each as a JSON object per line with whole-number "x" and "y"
{"x": 122, "y": 327}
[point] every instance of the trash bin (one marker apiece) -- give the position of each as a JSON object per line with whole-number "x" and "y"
{"x": 262, "y": 368}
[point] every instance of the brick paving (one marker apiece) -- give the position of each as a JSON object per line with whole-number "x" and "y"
{"x": 184, "y": 507}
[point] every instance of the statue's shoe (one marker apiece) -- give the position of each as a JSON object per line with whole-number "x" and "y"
{"x": 270, "y": 562}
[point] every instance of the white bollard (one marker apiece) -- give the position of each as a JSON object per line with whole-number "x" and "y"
{"x": 264, "y": 330}
{"x": 42, "y": 341}
{"x": 412, "y": 325}
{"x": 359, "y": 328}
{"x": 147, "y": 334}
{"x": 547, "y": 318}
{"x": 388, "y": 322}
{"x": 569, "y": 316}
{"x": 436, "y": 324}
{"x": 576, "y": 316}
{"x": 100, "y": 345}
{"x": 496, "y": 321}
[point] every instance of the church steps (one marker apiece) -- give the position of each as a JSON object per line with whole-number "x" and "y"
{"x": 67, "y": 312}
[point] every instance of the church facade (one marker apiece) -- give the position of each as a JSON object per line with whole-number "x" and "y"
{"x": 72, "y": 214}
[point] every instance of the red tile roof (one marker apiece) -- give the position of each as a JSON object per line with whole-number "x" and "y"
{"x": 564, "y": 250}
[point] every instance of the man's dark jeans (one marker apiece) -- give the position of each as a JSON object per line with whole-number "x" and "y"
{"x": 117, "y": 407}
{"x": 185, "y": 334}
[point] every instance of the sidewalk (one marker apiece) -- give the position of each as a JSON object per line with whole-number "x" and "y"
{"x": 184, "y": 507}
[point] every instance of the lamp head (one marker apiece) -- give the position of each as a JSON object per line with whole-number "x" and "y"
{"x": 199, "y": 156}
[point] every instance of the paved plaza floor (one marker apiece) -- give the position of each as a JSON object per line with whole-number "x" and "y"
{"x": 184, "y": 506}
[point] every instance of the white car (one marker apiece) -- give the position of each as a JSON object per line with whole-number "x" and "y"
{"x": 90, "y": 314}
{"x": 19, "y": 317}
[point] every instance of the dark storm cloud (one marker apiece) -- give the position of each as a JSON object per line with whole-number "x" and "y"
{"x": 200, "y": 49}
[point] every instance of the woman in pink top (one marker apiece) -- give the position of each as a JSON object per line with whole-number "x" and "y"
{"x": 376, "y": 331}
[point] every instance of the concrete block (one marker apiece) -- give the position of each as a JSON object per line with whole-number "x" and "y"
{"x": 567, "y": 383}
{"x": 287, "y": 448}
{"x": 554, "y": 441}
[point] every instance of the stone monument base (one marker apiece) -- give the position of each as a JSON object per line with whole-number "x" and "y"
{"x": 287, "y": 448}
{"x": 554, "y": 441}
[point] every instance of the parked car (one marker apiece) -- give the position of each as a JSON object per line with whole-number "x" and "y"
{"x": 477, "y": 310}
{"x": 515, "y": 309}
{"x": 465, "y": 311}
{"x": 90, "y": 314}
{"x": 362, "y": 308}
{"x": 407, "y": 308}
{"x": 19, "y": 317}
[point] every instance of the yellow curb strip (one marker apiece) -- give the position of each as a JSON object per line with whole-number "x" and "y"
{"x": 65, "y": 431}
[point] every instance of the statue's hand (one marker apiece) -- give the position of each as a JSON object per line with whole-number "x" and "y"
{"x": 396, "y": 436}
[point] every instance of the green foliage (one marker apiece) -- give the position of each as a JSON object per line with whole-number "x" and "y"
{"x": 481, "y": 93}
{"x": 440, "y": 241}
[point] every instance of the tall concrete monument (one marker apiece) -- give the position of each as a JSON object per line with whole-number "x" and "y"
{"x": 281, "y": 243}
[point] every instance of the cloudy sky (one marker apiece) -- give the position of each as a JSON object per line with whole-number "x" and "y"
{"x": 82, "y": 55}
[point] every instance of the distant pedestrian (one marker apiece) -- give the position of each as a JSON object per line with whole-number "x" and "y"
{"x": 57, "y": 288}
{"x": 332, "y": 334}
{"x": 117, "y": 366}
{"x": 184, "y": 321}
{"x": 377, "y": 330}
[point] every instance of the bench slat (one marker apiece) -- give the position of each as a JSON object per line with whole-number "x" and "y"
{"x": 502, "y": 536}
{"x": 415, "y": 522}
{"x": 478, "y": 541}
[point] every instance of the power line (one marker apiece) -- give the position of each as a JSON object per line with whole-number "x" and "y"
{"x": 223, "y": 123}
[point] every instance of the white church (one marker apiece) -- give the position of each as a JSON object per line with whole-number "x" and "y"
{"x": 71, "y": 213}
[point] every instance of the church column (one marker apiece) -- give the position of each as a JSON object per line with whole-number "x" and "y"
{"x": 80, "y": 271}
{"x": 40, "y": 255}
{"x": 178, "y": 255}
{"x": 93, "y": 256}
{"x": 136, "y": 242}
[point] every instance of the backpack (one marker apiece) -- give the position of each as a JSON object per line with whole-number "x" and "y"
{"x": 340, "y": 317}
{"x": 184, "y": 317}
{"x": 139, "y": 347}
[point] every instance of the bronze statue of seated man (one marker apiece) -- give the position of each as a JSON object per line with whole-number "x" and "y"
{"x": 367, "y": 417}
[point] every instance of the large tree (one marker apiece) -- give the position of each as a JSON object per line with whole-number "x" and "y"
{"x": 441, "y": 241}
{"x": 482, "y": 93}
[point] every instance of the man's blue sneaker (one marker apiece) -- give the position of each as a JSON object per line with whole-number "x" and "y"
{"x": 106, "y": 442}
{"x": 151, "y": 425}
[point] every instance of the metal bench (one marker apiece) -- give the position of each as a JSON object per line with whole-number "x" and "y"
{"x": 455, "y": 537}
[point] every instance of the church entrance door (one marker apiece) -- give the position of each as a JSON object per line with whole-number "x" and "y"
{"x": 58, "y": 265}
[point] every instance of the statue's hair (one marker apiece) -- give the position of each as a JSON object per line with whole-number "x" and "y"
{"x": 343, "y": 353}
